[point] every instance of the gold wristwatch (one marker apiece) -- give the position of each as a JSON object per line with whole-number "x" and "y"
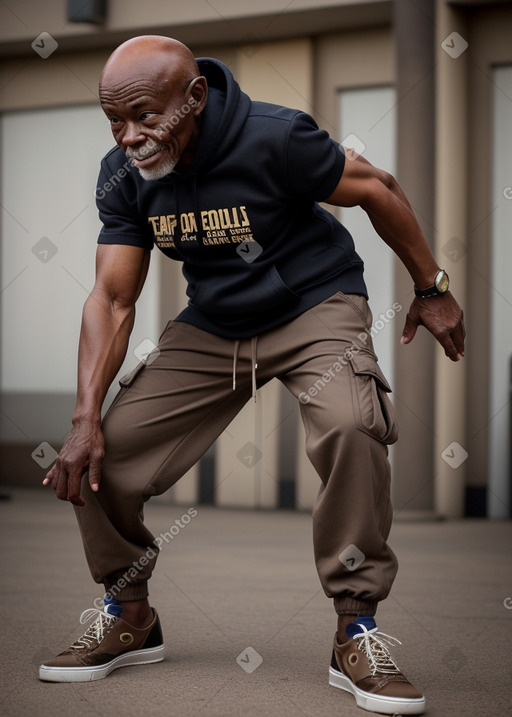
{"x": 440, "y": 287}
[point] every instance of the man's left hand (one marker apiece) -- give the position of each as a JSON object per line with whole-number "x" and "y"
{"x": 443, "y": 317}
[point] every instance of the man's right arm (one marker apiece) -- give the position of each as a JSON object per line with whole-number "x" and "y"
{"x": 107, "y": 322}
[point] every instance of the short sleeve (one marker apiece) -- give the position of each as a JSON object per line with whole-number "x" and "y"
{"x": 120, "y": 223}
{"x": 314, "y": 161}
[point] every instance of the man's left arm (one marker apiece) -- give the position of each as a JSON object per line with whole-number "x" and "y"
{"x": 378, "y": 193}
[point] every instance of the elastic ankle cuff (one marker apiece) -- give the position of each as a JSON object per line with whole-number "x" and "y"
{"x": 127, "y": 592}
{"x": 349, "y": 606}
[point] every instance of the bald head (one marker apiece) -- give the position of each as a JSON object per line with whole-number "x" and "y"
{"x": 149, "y": 57}
{"x": 153, "y": 95}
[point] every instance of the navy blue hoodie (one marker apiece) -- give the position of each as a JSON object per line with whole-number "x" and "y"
{"x": 257, "y": 249}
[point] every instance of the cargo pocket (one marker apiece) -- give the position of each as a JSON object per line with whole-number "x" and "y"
{"x": 127, "y": 380}
{"x": 124, "y": 383}
{"x": 373, "y": 409}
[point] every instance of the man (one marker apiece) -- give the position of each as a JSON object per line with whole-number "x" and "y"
{"x": 231, "y": 188}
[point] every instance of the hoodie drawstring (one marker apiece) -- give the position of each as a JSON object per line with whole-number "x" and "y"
{"x": 254, "y": 364}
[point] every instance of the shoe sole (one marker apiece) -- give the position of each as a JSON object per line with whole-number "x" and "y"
{"x": 87, "y": 674}
{"x": 372, "y": 703}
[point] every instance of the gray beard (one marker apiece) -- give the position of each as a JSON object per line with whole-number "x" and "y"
{"x": 162, "y": 170}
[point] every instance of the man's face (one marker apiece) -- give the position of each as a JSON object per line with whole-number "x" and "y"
{"x": 154, "y": 121}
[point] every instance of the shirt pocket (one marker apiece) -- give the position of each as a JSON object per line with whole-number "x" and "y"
{"x": 374, "y": 412}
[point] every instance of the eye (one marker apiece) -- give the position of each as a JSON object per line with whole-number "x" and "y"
{"x": 145, "y": 116}
{"x": 114, "y": 122}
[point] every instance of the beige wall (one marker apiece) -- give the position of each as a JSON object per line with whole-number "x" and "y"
{"x": 490, "y": 42}
{"x": 301, "y": 57}
{"x": 450, "y": 222}
{"x": 65, "y": 79}
{"x": 197, "y": 22}
{"x": 362, "y": 58}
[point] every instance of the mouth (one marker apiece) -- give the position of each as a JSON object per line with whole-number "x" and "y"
{"x": 145, "y": 161}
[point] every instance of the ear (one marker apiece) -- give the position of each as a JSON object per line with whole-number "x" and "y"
{"x": 197, "y": 94}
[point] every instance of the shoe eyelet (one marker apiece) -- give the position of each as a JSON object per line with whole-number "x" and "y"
{"x": 126, "y": 638}
{"x": 353, "y": 659}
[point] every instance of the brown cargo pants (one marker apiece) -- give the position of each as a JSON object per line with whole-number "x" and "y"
{"x": 172, "y": 408}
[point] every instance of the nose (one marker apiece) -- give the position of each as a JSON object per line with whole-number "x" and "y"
{"x": 132, "y": 134}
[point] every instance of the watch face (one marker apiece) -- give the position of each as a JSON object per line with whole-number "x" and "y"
{"x": 442, "y": 282}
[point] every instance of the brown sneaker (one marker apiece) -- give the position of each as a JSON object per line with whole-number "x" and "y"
{"x": 364, "y": 667}
{"x": 108, "y": 643}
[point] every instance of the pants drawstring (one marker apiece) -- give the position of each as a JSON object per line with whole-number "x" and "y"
{"x": 235, "y": 357}
{"x": 254, "y": 364}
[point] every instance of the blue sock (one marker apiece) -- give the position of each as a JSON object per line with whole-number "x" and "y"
{"x": 353, "y": 629}
{"x": 112, "y": 606}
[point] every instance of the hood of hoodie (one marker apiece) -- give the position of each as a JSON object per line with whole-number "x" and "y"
{"x": 223, "y": 117}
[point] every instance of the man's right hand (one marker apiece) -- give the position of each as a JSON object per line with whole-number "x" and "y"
{"x": 83, "y": 449}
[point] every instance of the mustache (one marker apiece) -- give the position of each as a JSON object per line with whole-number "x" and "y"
{"x": 147, "y": 150}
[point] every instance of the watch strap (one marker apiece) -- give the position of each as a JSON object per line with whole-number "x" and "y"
{"x": 427, "y": 293}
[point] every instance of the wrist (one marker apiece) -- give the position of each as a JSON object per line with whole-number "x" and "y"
{"x": 86, "y": 416}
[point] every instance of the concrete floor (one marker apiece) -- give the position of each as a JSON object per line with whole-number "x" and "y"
{"x": 231, "y": 580}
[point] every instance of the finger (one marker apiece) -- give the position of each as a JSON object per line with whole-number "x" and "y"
{"x": 64, "y": 485}
{"x": 49, "y": 476}
{"x": 449, "y": 346}
{"x": 74, "y": 488}
{"x": 60, "y": 481}
{"x": 95, "y": 474}
{"x": 453, "y": 341}
{"x": 459, "y": 335}
{"x": 409, "y": 331}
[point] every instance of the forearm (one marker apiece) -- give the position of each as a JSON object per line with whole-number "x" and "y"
{"x": 378, "y": 193}
{"x": 104, "y": 339}
{"x": 393, "y": 219}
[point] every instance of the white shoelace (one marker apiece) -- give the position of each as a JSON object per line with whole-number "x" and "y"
{"x": 95, "y": 632}
{"x": 374, "y": 645}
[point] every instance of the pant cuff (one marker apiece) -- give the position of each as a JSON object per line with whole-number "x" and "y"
{"x": 128, "y": 591}
{"x": 349, "y": 606}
